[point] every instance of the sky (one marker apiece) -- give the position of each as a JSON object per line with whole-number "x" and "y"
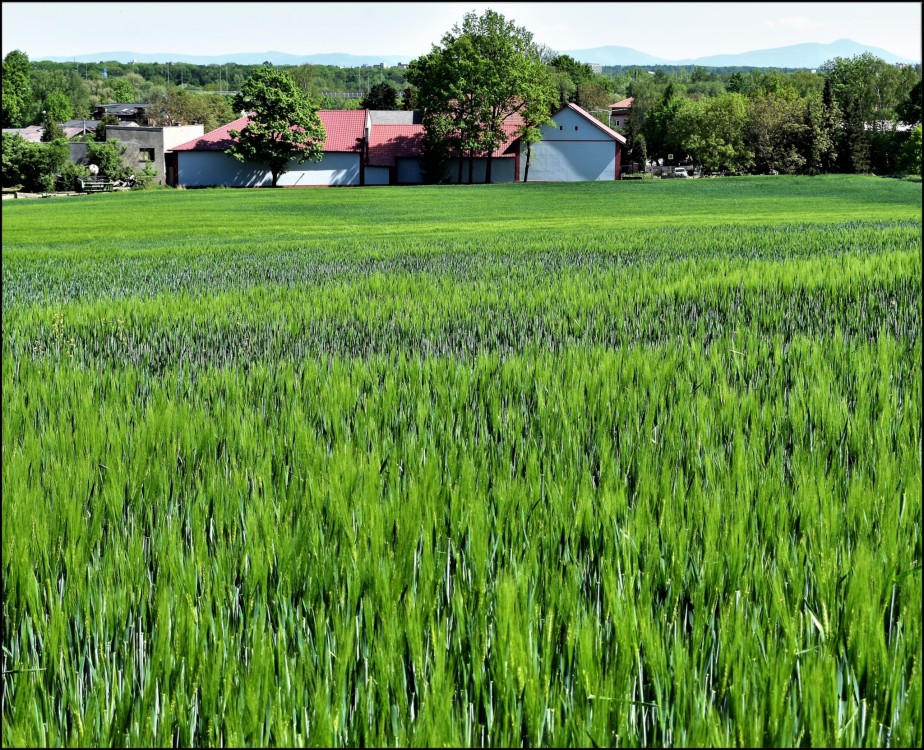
{"x": 668, "y": 30}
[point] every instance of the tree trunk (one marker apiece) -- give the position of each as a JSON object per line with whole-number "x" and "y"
{"x": 529, "y": 151}
{"x": 487, "y": 171}
{"x": 471, "y": 166}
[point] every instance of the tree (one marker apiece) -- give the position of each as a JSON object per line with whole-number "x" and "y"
{"x": 713, "y": 131}
{"x": 409, "y": 98}
{"x": 32, "y": 166}
{"x": 283, "y": 123}
{"x": 775, "y": 130}
{"x": 16, "y": 89}
{"x": 100, "y": 133}
{"x": 909, "y": 110}
{"x": 486, "y": 70}
{"x": 109, "y": 157}
{"x": 381, "y": 96}
{"x": 121, "y": 91}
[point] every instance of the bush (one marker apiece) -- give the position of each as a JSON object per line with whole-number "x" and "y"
{"x": 67, "y": 178}
{"x": 108, "y": 157}
{"x": 33, "y": 166}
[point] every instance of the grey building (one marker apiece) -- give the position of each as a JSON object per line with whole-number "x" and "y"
{"x": 147, "y": 145}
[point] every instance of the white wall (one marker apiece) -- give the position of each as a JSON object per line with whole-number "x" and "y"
{"x": 570, "y": 161}
{"x": 571, "y": 150}
{"x": 333, "y": 169}
{"x": 214, "y": 168}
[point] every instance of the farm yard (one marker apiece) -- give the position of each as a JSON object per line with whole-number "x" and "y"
{"x": 581, "y": 464}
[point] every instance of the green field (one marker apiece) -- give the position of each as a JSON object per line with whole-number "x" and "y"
{"x": 597, "y": 464}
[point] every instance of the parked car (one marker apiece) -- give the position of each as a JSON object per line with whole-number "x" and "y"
{"x": 680, "y": 172}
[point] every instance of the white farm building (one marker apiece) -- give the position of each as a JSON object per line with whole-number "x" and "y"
{"x": 366, "y": 147}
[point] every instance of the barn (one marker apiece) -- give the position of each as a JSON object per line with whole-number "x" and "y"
{"x": 202, "y": 162}
{"x": 575, "y": 147}
{"x": 366, "y": 147}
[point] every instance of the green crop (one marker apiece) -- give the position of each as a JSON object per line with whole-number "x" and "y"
{"x": 599, "y": 464}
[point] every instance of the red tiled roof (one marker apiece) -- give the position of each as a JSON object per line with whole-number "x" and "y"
{"x": 624, "y": 104}
{"x": 344, "y": 127}
{"x": 390, "y": 142}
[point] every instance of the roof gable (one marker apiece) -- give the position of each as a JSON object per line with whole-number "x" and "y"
{"x": 583, "y": 116}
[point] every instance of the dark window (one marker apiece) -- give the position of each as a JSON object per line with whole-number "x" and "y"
{"x": 145, "y": 154}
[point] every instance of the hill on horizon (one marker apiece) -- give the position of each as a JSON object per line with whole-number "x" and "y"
{"x": 810, "y": 55}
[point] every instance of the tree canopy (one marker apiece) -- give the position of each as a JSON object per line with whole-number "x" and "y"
{"x": 484, "y": 71}
{"x": 283, "y": 123}
{"x": 382, "y": 95}
{"x": 16, "y": 89}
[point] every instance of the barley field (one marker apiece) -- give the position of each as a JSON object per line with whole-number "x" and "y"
{"x": 617, "y": 464}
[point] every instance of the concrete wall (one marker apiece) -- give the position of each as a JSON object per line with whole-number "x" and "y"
{"x": 215, "y": 168}
{"x": 159, "y": 139}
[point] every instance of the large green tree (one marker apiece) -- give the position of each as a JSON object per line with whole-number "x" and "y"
{"x": 16, "y": 89}
{"x": 381, "y": 96}
{"x": 283, "y": 123}
{"x": 485, "y": 70}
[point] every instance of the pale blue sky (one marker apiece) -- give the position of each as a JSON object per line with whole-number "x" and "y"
{"x": 670, "y": 30}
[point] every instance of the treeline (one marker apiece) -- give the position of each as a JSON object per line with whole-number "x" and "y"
{"x": 852, "y": 115}
{"x": 855, "y": 115}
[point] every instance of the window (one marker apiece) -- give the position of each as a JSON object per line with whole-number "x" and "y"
{"x": 575, "y": 127}
{"x": 145, "y": 154}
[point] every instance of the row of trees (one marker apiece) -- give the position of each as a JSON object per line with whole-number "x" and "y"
{"x": 858, "y": 115}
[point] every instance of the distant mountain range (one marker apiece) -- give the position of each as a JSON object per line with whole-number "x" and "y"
{"x": 794, "y": 56}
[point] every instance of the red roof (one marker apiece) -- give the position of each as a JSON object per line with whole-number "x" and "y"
{"x": 390, "y": 142}
{"x": 624, "y": 104}
{"x": 345, "y": 129}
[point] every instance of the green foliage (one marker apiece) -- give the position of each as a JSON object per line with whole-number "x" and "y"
{"x": 68, "y": 175}
{"x": 120, "y": 91}
{"x": 911, "y": 152}
{"x": 57, "y": 108}
{"x": 33, "y": 166}
{"x": 109, "y": 157}
{"x": 283, "y": 123}
{"x": 909, "y": 110}
{"x": 381, "y": 96}
{"x": 16, "y": 89}
{"x": 174, "y": 106}
{"x": 100, "y": 131}
{"x": 646, "y": 477}
{"x": 485, "y": 70}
